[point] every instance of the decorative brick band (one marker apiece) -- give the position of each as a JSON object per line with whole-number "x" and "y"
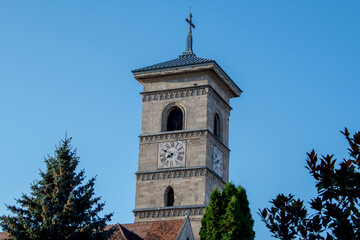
{"x": 174, "y": 93}
{"x": 183, "y": 135}
{"x": 181, "y": 173}
{"x": 169, "y": 212}
{"x": 173, "y": 173}
{"x": 172, "y": 136}
{"x": 221, "y": 103}
{"x": 222, "y": 146}
{"x": 215, "y": 180}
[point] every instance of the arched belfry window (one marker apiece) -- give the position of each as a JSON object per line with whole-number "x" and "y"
{"x": 169, "y": 197}
{"x": 175, "y": 120}
{"x": 217, "y": 131}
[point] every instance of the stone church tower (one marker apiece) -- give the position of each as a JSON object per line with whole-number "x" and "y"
{"x": 183, "y": 152}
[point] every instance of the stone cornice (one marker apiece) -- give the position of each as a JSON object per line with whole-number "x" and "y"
{"x": 215, "y": 140}
{"x": 182, "y": 135}
{"x": 233, "y": 88}
{"x": 174, "y": 211}
{"x": 179, "y": 173}
{"x": 229, "y": 82}
{"x": 143, "y": 76}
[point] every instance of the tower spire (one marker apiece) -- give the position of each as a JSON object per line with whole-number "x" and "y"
{"x": 188, "y": 50}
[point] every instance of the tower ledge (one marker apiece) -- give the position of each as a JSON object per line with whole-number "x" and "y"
{"x": 184, "y": 65}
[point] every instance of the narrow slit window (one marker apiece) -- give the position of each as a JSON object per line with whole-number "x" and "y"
{"x": 217, "y": 126}
{"x": 169, "y": 197}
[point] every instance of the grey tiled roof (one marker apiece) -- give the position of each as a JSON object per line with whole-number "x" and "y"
{"x": 182, "y": 60}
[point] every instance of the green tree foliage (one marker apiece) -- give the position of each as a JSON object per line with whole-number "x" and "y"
{"x": 227, "y": 216}
{"x": 59, "y": 206}
{"x": 334, "y": 212}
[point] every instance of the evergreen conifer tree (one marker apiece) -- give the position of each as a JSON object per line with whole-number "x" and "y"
{"x": 231, "y": 220}
{"x": 228, "y": 215}
{"x": 59, "y": 206}
{"x": 245, "y": 221}
{"x": 211, "y": 219}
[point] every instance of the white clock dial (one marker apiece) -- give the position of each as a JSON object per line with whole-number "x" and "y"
{"x": 218, "y": 161}
{"x": 171, "y": 154}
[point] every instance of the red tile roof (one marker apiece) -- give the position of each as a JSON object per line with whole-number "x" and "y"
{"x": 157, "y": 230}
{"x": 121, "y": 233}
{"x": 4, "y": 235}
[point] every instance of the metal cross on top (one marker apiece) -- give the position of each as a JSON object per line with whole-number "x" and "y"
{"x": 188, "y": 50}
{"x": 191, "y": 25}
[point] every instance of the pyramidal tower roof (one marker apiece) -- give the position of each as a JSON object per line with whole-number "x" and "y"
{"x": 186, "y": 61}
{"x": 181, "y": 61}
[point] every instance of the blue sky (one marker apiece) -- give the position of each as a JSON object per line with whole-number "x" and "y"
{"x": 66, "y": 66}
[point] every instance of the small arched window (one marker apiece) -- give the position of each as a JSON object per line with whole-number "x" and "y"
{"x": 217, "y": 126}
{"x": 169, "y": 197}
{"x": 175, "y": 120}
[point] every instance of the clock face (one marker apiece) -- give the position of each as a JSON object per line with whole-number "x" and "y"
{"x": 218, "y": 161}
{"x": 171, "y": 154}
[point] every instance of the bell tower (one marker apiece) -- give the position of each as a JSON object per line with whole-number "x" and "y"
{"x": 183, "y": 145}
